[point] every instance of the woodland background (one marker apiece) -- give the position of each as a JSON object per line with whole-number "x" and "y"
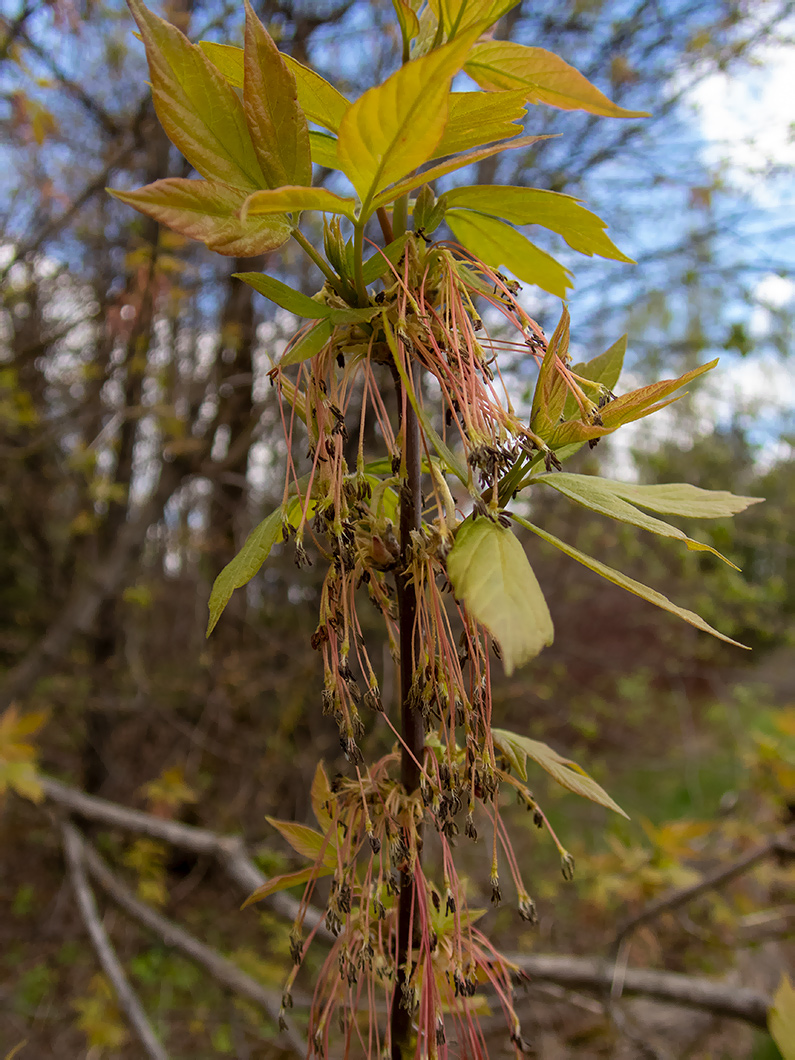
{"x": 139, "y": 443}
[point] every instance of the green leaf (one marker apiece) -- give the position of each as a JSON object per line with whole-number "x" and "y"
{"x": 680, "y": 498}
{"x": 448, "y": 457}
{"x": 293, "y": 199}
{"x": 289, "y": 879}
{"x": 490, "y": 573}
{"x": 604, "y": 369}
{"x": 623, "y": 580}
{"x": 199, "y": 111}
{"x": 239, "y": 571}
{"x": 301, "y": 304}
{"x": 378, "y": 263}
{"x": 324, "y": 149}
{"x": 407, "y": 20}
{"x": 544, "y": 76}
{"x": 441, "y": 169}
{"x": 395, "y": 127}
{"x": 275, "y": 120}
{"x": 309, "y": 344}
{"x": 210, "y": 212}
{"x": 517, "y": 749}
{"x": 319, "y": 100}
{"x": 480, "y": 118}
{"x": 611, "y": 498}
{"x": 320, "y": 794}
{"x": 581, "y": 229}
{"x": 307, "y": 842}
{"x": 549, "y": 396}
{"x": 781, "y": 1018}
{"x": 497, "y": 243}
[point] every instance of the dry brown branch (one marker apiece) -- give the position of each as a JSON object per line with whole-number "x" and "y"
{"x": 588, "y": 973}
{"x": 171, "y": 934}
{"x": 780, "y": 845}
{"x": 128, "y": 999}
{"x": 229, "y": 851}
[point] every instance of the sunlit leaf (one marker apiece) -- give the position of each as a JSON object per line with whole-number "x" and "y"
{"x": 612, "y": 499}
{"x": 210, "y": 212}
{"x": 295, "y": 198}
{"x": 582, "y": 230}
{"x": 306, "y": 841}
{"x": 239, "y": 571}
{"x": 379, "y": 261}
{"x": 407, "y": 20}
{"x": 480, "y": 118}
{"x": 199, "y": 110}
{"x": 545, "y": 77}
{"x": 497, "y": 243}
{"x": 491, "y": 575}
{"x": 459, "y": 15}
{"x": 781, "y": 1018}
{"x": 319, "y": 100}
{"x": 549, "y": 396}
{"x": 395, "y": 127}
{"x": 567, "y": 773}
{"x": 604, "y": 369}
{"x": 441, "y": 169}
{"x": 320, "y": 794}
{"x": 680, "y": 498}
{"x": 301, "y": 304}
{"x": 270, "y": 99}
{"x": 623, "y": 580}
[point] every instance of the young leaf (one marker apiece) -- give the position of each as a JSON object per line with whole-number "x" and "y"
{"x": 548, "y": 397}
{"x": 378, "y": 263}
{"x": 301, "y": 304}
{"x": 293, "y": 199}
{"x": 307, "y": 842}
{"x": 395, "y": 127}
{"x": 490, "y": 573}
{"x": 517, "y": 749}
{"x": 320, "y": 795}
{"x": 497, "y": 243}
{"x": 604, "y": 369}
{"x": 581, "y": 229}
{"x": 289, "y": 879}
{"x": 200, "y": 112}
{"x": 680, "y": 498}
{"x": 610, "y": 498}
{"x": 545, "y": 77}
{"x": 458, "y": 15}
{"x": 441, "y": 169}
{"x": 480, "y": 118}
{"x": 210, "y": 212}
{"x": 781, "y": 1018}
{"x": 623, "y": 580}
{"x": 319, "y": 100}
{"x": 408, "y": 22}
{"x": 310, "y": 343}
{"x": 270, "y": 99}
{"x": 239, "y": 571}
{"x": 324, "y": 149}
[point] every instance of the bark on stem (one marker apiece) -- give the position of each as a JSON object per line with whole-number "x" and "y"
{"x": 411, "y": 723}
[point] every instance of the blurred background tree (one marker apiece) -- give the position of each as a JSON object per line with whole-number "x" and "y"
{"x": 138, "y": 434}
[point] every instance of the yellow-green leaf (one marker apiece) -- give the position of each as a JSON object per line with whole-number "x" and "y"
{"x": 491, "y": 575}
{"x": 407, "y": 20}
{"x": 308, "y": 344}
{"x": 210, "y": 212}
{"x": 545, "y": 77}
{"x": 604, "y": 369}
{"x": 320, "y": 794}
{"x": 549, "y": 396}
{"x": 289, "y": 879}
{"x": 199, "y": 110}
{"x": 270, "y": 99}
{"x": 301, "y": 304}
{"x": 680, "y": 498}
{"x": 324, "y": 149}
{"x": 781, "y": 1018}
{"x": 612, "y": 499}
{"x": 17, "y": 756}
{"x": 517, "y": 749}
{"x": 293, "y": 199}
{"x": 239, "y": 571}
{"x": 307, "y": 842}
{"x": 480, "y": 118}
{"x": 319, "y": 100}
{"x": 459, "y": 15}
{"x": 623, "y": 580}
{"x": 395, "y": 127}
{"x": 441, "y": 169}
{"x": 581, "y": 229}
{"x": 497, "y": 243}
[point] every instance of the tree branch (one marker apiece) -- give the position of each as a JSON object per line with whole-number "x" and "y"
{"x": 128, "y": 999}
{"x": 590, "y": 973}
{"x": 171, "y": 934}
{"x": 229, "y": 851}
